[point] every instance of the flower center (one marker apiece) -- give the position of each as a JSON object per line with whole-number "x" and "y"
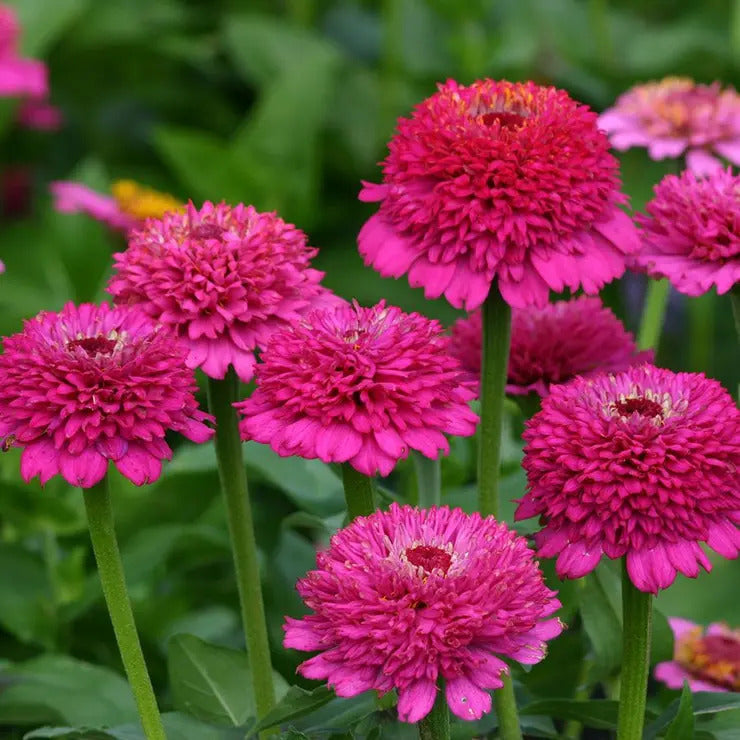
{"x": 714, "y": 658}
{"x": 641, "y": 405}
{"x": 207, "y": 231}
{"x": 93, "y": 346}
{"x": 505, "y": 119}
{"x": 429, "y": 557}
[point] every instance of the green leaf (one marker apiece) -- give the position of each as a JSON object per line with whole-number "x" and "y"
{"x": 709, "y": 702}
{"x": 661, "y": 643}
{"x": 682, "y": 725}
{"x": 43, "y": 22}
{"x": 598, "y": 713}
{"x": 296, "y": 703}
{"x": 601, "y": 623}
{"x": 212, "y": 683}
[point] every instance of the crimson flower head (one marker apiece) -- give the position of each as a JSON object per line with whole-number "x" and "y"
{"x": 692, "y": 233}
{"x": 677, "y": 116}
{"x": 224, "y": 278}
{"x": 359, "y": 385}
{"x": 406, "y": 597}
{"x": 642, "y": 464}
{"x": 708, "y": 659}
{"x": 91, "y": 384}
{"x": 498, "y": 181}
{"x": 553, "y": 344}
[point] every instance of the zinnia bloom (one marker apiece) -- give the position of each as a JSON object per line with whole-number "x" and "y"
{"x": 406, "y": 597}
{"x": 692, "y": 233}
{"x": 19, "y": 77}
{"x": 91, "y": 384}
{"x": 642, "y": 464}
{"x": 498, "y": 181}
{"x": 677, "y": 116}
{"x": 359, "y": 385}
{"x": 127, "y": 208}
{"x": 224, "y": 278}
{"x": 709, "y": 660}
{"x": 553, "y": 344}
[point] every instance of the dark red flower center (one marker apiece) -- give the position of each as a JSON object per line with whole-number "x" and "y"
{"x": 429, "y": 557}
{"x": 207, "y": 231}
{"x": 643, "y": 406}
{"x": 506, "y": 119}
{"x": 93, "y": 346}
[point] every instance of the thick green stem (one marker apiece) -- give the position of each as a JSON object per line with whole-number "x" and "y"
{"x": 436, "y": 725}
{"x": 636, "y": 629}
{"x": 358, "y": 492}
{"x": 505, "y": 703}
{"x": 221, "y": 396}
{"x": 429, "y": 480}
{"x": 701, "y": 332}
{"x": 495, "y": 361}
{"x": 651, "y": 323}
{"x": 735, "y": 301}
{"x": 113, "y": 582}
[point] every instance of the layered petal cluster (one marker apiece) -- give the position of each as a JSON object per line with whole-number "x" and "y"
{"x": 406, "y": 597}
{"x": 691, "y": 234}
{"x": 553, "y": 344}
{"x": 708, "y": 659}
{"x": 224, "y": 278}
{"x": 128, "y": 206}
{"x": 91, "y": 384}
{"x": 359, "y": 385}
{"x": 641, "y": 464}
{"x": 677, "y": 116}
{"x": 498, "y": 181}
{"x": 19, "y": 77}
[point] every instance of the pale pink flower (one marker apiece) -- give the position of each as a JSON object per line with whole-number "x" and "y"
{"x": 709, "y": 660}
{"x": 19, "y": 77}
{"x": 553, "y": 344}
{"x": 91, "y": 384}
{"x": 224, "y": 278}
{"x": 359, "y": 385}
{"x": 691, "y": 234}
{"x": 642, "y": 464}
{"x": 677, "y": 116}
{"x": 405, "y": 598}
{"x": 504, "y": 182}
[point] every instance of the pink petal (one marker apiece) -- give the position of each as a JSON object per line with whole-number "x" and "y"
{"x": 467, "y": 700}
{"x": 416, "y": 700}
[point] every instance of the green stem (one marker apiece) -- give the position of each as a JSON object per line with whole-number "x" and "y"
{"x": 436, "y": 725}
{"x": 495, "y": 361}
{"x": 505, "y": 703}
{"x": 651, "y": 323}
{"x": 358, "y": 492}
{"x": 636, "y": 629}
{"x": 429, "y": 480}
{"x": 735, "y": 302}
{"x": 113, "y": 582}
{"x": 221, "y": 396}
{"x": 701, "y": 332}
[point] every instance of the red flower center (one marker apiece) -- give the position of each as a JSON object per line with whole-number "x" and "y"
{"x": 207, "y": 231}
{"x": 714, "y": 658}
{"x": 98, "y": 345}
{"x": 643, "y": 406}
{"x": 429, "y": 558}
{"x": 504, "y": 118}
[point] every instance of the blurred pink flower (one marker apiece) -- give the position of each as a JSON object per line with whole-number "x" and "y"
{"x": 359, "y": 385}
{"x": 709, "y": 661}
{"x": 91, "y": 384}
{"x": 224, "y": 278}
{"x": 642, "y": 464}
{"x": 406, "y": 597}
{"x": 19, "y": 77}
{"x": 39, "y": 115}
{"x": 676, "y": 116}
{"x": 692, "y": 233}
{"x": 498, "y": 181}
{"x": 553, "y": 344}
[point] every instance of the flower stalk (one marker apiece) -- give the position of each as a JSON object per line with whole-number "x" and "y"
{"x": 358, "y": 492}
{"x": 221, "y": 396}
{"x": 428, "y": 480}
{"x": 110, "y": 569}
{"x": 653, "y": 313}
{"x": 436, "y": 725}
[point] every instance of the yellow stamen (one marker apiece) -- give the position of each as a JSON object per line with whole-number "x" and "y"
{"x": 142, "y": 202}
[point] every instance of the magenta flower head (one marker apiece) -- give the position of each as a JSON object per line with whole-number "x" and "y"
{"x": 677, "y": 116}
{"x": 641, "y": 464}
{"x": 91, "y": 384}
{"x": 498, "y": 181}
{"x": 224, "y": 278}
{"x": 19, "y": 77}
{"x": 709, "y": 660}
{"x": 692, "y": 233}
{"x": 359, "y": 385}
{"x": 406, "y": 597}
{"x": 553, "y": 344}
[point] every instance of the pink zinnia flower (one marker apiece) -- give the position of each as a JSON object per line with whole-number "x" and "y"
{"x": 91, "y": 384}
{"x": 553, "y": 344}
{"x": 406, "y": 597}
{"x": 224, "y": 278}
{"x": 19, "y": 77}
{"x": 642, "y": 464}
{"x": 498, "y": 181}
{"x": 692, "y": 233}
{"x": 39, "y": 115}
{"x": 675, "y": 116}
{"x": 359, "y": 385}
{"x": 709, "y": 661}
